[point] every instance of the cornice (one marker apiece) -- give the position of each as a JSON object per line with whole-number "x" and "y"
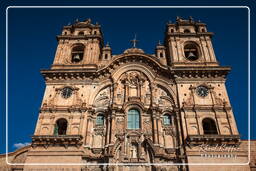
{"x": 199, "y": 72}
{"x": 181, "y": 34}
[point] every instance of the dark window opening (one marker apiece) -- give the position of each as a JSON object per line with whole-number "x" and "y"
{"x": 106, "y": 56}
{"x": 172, "y": 31}
{"x": 209, "y": 126}
{"x": 191, "y": 52}
{"x": 61, "y": 127}
{"x": 65, "y": 33}
{"x": 77, "y": 53}
{"x": 203, "y": 30}
{"x": 161, "y": 55}
{"x": 81, "y": 33}
{"x": 186, "y": 31}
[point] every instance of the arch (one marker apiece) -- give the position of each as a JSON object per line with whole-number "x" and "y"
{"x": 100, "y": 119}
{"x": 102, "y": 85}
{"x": 135, "y": 67}
{"x": 138, "y": 57}
{"x": 186, "y": 31}
{"x": 80, "y": 33}
{"x": 209, "y": 126}
{"x": 170, "y": 94}
{"x": 191, "y": 50}
{"x": 61, "y": 127}
{"x": 103, "y": 98}
{"x": 150, "y": 148}
{"x": 77, "y": 53}
{"x": 116, "y": 146}
{"x": 133, "y": 119}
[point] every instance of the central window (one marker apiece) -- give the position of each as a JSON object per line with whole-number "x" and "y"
{"x": 133, "y": 121}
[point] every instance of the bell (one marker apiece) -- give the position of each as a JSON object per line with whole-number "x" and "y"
{"x": 76, "y": 58}
{"x": 191, "y": 55}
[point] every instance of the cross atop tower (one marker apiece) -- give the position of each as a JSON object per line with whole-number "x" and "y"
{"x": 134, "y": 41}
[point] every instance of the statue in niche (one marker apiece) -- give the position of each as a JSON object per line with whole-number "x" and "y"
{"x": 133, "y": 151}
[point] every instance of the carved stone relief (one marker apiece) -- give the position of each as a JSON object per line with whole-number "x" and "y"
{"x": 103, "y": 98}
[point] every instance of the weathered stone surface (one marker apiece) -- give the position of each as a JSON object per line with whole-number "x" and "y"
{"x": 178, "y": 100}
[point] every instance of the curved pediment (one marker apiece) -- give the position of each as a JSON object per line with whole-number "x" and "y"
{"x": 145, "y": 59}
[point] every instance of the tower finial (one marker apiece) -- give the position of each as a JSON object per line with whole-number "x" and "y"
{"x": 134, "y": 41}
{"x": 191, "y": 18}
{"x": 159, "y": 42}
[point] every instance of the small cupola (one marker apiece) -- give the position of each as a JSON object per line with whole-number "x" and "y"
{"x": 160, "y": 53}
{"x": 160, "y": 50}
{"x": 106, "y": 52}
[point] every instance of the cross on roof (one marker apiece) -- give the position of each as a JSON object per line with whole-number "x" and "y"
{"x": 134, "y": 41}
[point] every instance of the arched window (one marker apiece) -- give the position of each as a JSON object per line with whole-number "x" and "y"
{"x": 81, "y": 33}
{"x": 167, "y": 119}
{"x": 77, "y": 53}
{"x": 191, "y": 51}
{"x": 106, "y": 56}
{"x": 100, "y": 119}
{"x": 186, "y": 31}
{"x": 161, "y": 55}
{"x": 61, "y": 127}
{"x": 209, "y": 126}
{"x": 203, "y": 30}
{"x": 133, "y": 121}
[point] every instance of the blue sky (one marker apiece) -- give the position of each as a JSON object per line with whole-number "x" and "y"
{"x": 32, "y": 44}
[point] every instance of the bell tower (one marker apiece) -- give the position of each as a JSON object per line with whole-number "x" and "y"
{"x": 205, "y": 109}
{"x": 61, "y": 126}
{"x": 189, "y": 44}
{"x": 79, "y": 45}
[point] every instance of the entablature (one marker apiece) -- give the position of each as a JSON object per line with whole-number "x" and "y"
{"x": 60, "y": 140}
{"x": 213, "y": 139}
{"x": 199, "y": 72}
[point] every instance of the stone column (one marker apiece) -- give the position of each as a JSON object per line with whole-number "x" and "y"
{"x": 160, "y": 131}
{"x": 155, "y": 140}
{"x": 113, "y": 127}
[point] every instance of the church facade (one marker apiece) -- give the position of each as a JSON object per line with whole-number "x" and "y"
{"x": 134, "y": 110}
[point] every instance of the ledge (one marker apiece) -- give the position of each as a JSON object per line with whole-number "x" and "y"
{"x": 52, "y": 140}
{"x": 213, "y": 139}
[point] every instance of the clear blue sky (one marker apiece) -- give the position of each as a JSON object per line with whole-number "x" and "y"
{"x": 32, "y": 44}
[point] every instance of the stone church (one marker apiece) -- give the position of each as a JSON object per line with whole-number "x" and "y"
{"x": 130, "y": 111}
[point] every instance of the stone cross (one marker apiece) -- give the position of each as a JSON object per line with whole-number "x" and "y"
{"x": 134, "y": 41}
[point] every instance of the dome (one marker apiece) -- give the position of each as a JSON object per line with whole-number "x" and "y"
{"x": 133, "y": 50}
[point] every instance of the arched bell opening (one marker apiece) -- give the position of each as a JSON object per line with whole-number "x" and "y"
{"x": 191, "y": 51}
{"x": 61, "y": 127}
{"x": 77, "y": 53}
{"x": 209, "y": 126}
